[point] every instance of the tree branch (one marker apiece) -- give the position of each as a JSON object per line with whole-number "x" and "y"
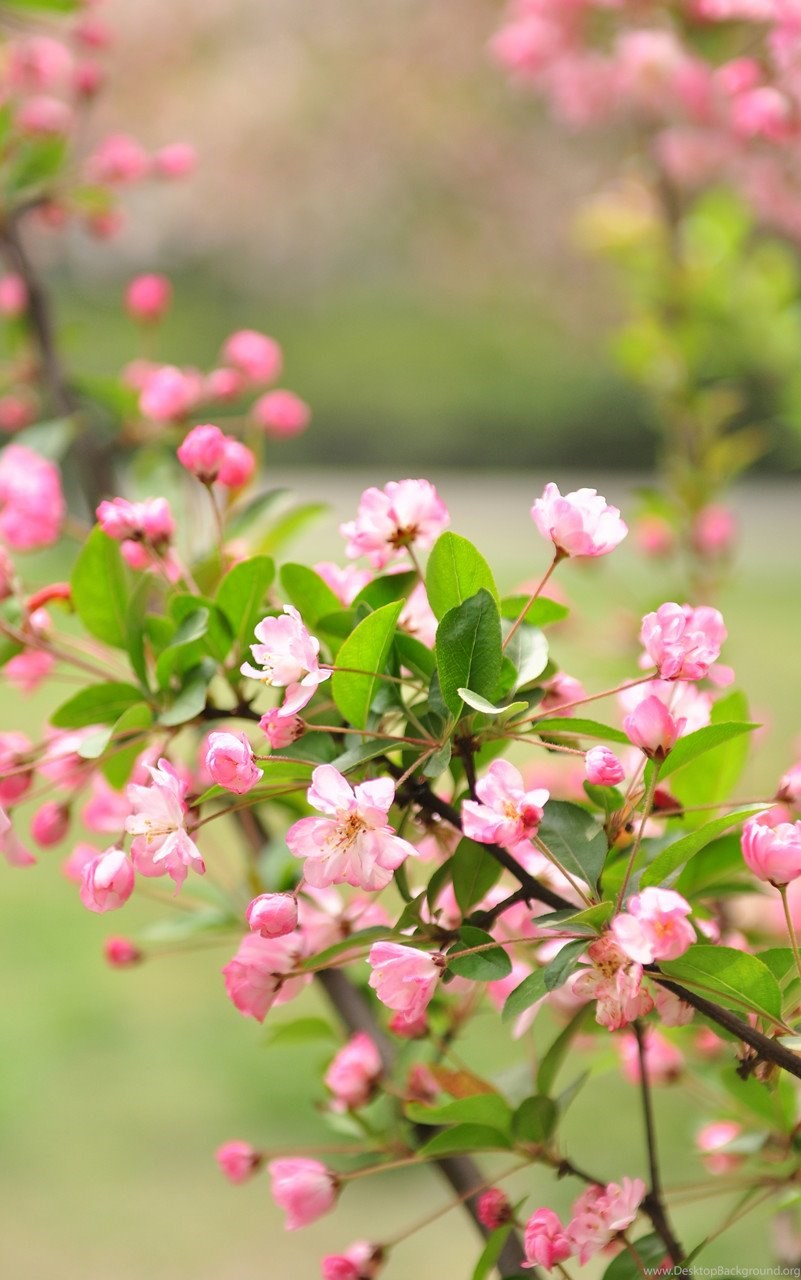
{"x": 653, "y": 1203}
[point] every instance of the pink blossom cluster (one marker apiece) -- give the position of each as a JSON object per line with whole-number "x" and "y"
{"x": 597, "y": 1216}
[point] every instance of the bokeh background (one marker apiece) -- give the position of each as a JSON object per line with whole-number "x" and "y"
{"x": 373, "y": 194}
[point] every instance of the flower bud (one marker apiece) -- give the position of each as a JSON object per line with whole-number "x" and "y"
{"x": 493, "y": 1209}
{"x": 281, "y": 414}
{"x": 238, "y": 1160}
{"x": 230, "y": 762}
{"x": 273, "y": 915}
{"x": 148, "y": 297}
{"x": 651, "y": 727}
{"x": 13, "y": 296}
{"x": 50, "y": 823}
{"x": 603, "y": 767}
{"x": 254, "y": 354}
{"x": 772, "y": 853}
{"x": 107, "y": 881}
{"x": 281, "y": 730}
{"x": 304, "y": 1189}
{"x": 121, "y": 953}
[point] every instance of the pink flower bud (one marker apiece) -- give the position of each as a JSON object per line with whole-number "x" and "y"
{"x": 254, "y": 354}
{"x": 13, "y": 296}
{"x": 15, "y": 413}
{"x": 238, "y": 465}
{"x": 107, "y": 882}
{"x": 121, "y": 953}
{"x": 16, "y": 774}
{"x": 714, "y": 531}
{"x": 772, "y": 853}
{"x": 304, "y": 1189}
{"x": 176, "y": 160}
{"x": 148, "y": 297}
{"x": 89, "y": 79}
{"x": 50, "y": 823}
{"x": 93, "y": 32}
{"x": 201, "y": 452}
{"x": 352, "y": 1075}
{"x": 119, "y": 159}
{"x": 26, "y": 671}
{"x": 494, "y": 1209}
{"x": 790, "y": 786}
{"x": 281, "y": 414}
{"x": 169, "y": 394}
{"x": 230, "y": 762}
{"x": 45, "y": 117}
{"x": 545, "y": 1240}
{"x": 655, "y": 536}
{"x": 238, "y": 1160}
{"x": 360, "y": 1261}
{"x": 273, "y": 915}
{"x": 224, "y": 384}
{"x": 281, "y": 730}
{"x": 651, "y": 727}
{"x": 603, "y": 767}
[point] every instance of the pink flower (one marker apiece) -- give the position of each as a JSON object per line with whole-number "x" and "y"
{"x": 600, "y": 1213}
{"x": 161, "y": 842}
{"x": 273, "y": 915}
{"x": 580, "y": 523}
{"x": 683, "y": 642}
{"x": 238, "y": 464}
{"x": 31, "y": 502}
{"x": 345, "y": 583}
{"x": 202, "y": 452}
{"x": 790, "y": 786}
{"x": 402, "y": 514}
{"x": 38, "y": 63}
{"x": 281, "y": 414}
{"x": 664, "y": 1063}
{"x": 13, "y": 296}
{"x": 288, "y": 658}
{"x": 404, "y": 978}
{"x": 281, "y": 730}
{"x": 121, "y": 953}
{"x": 655, "y": 535}
{"x": 176, "y": 160}
{"x": 253, "y": 354}
{"x": 508, "y": 813}
{"x": 119, "y": 159}
{"x": 148, "y": 298}
{"x": 169, "y": 394}
{"x": 304, "y": 1189}
{"x": 603, "y": 768}
{"x": 50, "y": 823}
{"x": 26, "y": 671}
{"x": 714, "y": 531}
{"x": 673, "y": 1012}
{"x": 360, "y": 1261}
{"x": 45, "y": 117}
{"x": 615, "y": 982}
{"x": 354, "y": 843}
{"x": 149, "y": 521}
{"x": 260, "y": 974}
{"x": 15, "y": 413}
{"x": 712, "y": 1142}
{"x": 16, "y": 774}
{"x": 106, "y": 809}
{"x": 224, "y": 384}
{"x": 651, "y": 727}
{"x": 238, "y": 1160}
{"x": 560, "y": 692}
{"x": 545, "y": 1240}
{"x": 654, "y": 926}
{"x": 12, "y": 849}
{"x": 494, "y": 1208}
{"x": 772, "y": 853}
{"x": 107, "y": 882}
{"x": 687, "y": 703}
{"x": 352, "y": 1075}
{"x": 417, "y": 616}
{"x": 229, "y": 760}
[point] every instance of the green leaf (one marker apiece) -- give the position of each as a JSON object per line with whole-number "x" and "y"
{"x": 491, "y": 1252}
{"x": 474, "y": 872}
{"x": 693, "y": 745}
{"x": 733, "y": 978}
{"x": 468, "y": 649}
{"x": 362, "y": 937}
{"x": 542, "y": 613}
{"x": 361, "y": 753}
{"x": 43, "y": 6}
{"x": 299, "y": 1031}
{"x": 564, "y": 963}
{"x": 412, "y": 653}
{"x": 650, "y": 1250}
{"x": 455, "y": 572}
{"x": 534, "y": 1120}
{"x": 575, "y": 839}
{"x": 241, "y": 597}
{"x": 528, "y": 652}
{"x": 290, "y": 525}
{"x": 712, "y": 779}
{"x": 97, "y": 704}
{"x": 311, "y": 596}
{"x": 480, "y": 966}
{"x": 35, "y": 162}
{"x": 555, "y": 1056}
{"x": 529, "y": 991}
{"x": 478, "y": 703}
{"x": 481, "y": 1108}
{"x": 365, "y": 651}
{"x": 464, "y": 1137}
{"x": 100, "y": 589}
{"x": 438, "y": 761}
{"x": 120, "y": 758}
{"x": 243, "y": 518}
{"x": 386, "y": 589}
{"x": 183, "y": 650}
{"x": 579, "y": 729}
{"x": 217, "y": 635}
{"x": 190, "y": 699}
{"x": 666, "y": 862}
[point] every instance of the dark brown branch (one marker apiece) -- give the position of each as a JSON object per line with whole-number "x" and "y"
{"x": 653, "y": 1203}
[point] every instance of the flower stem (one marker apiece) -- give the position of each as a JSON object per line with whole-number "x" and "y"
{"x": 790, "y": 926}
{"x": 559, "y": 555}
{"x": 647, "y": 806}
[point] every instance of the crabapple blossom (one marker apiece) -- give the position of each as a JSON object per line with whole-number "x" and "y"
{"x": 664, "y": 1062}
{"x": 230, "y": 762}
{"x": 148, "y": 297}
{"x": 121, "y": 953}
{"x": 403, "y": 978}
{"x": 353, "y": 1073}
{"x": 346, "y": 583}
{"x": 773, "y": 853}
{"x": 169, "y": 394}
{"x": 600, "y": 1213}
{"x": 238, "y": 1161}
{"x": 494, "y": 1208}
{"x": 12, "y": 849}
{"x": 281, "y": 414}
{"x": 603, "y": 768}
{"x": 288, "y": 659}
{"x": 107, "y": 881}
{"x": 27, "y": 670}
{"x": 790, "y": 785}
{"x": 260, "y": 974}
{"x": 651, "y": 727}
{"x": 45, "y": 117}
{"x": 545, "y": 1240}
{"x": 304, "y": 1189}
{"x": 507, "y": 813}
{"x": 404, "y": 513}
{"x": 684, "y": 700}
{"x": 118, "y": 160}
{"x": 654, "y": 926}
{"x": 714, "y": 531}
{"x": 560, "y": 691}
{"x": 281, "y": 730}
{"x": 360, "y": 1261}
{"x": 581, "y": 523}
{"x": 417, "y": 616}
{"x": 354, "y": 843}
{"x": 237, "y": 466}
{"x": 615, "y": 982}
{"x": 176, "y": 160}
{"x": 32, "y": 505}
{"x": 273, "y": 915}
{"x": 255, "y": 355}
{"x": 712, "y": 1141}
{"x": 673, "y": 1011}
{"x": 50, "y": 823}
{"x": 161, "y": 843}
{"x": 15, "y": 775}
{"x": 150, "y": 521}
{"x": 681, "y": 641}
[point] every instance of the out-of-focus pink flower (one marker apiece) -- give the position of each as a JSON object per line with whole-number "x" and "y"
{"x": 238, "y": 464}
{"x": 118, "y": 160}
{"x": 353, "y": 1073}
{"x": 224, "y": 384}
{"x": 106, "y": 809}
{"x": 655, "y": 536}
{"x": 664, "y": 1062}
{"x": 773, "y": 853}
{"x": 45, "y": 117}
{"x": 712, "y": 1141}
{"x": 38, "y": 64}
{"x": 170, "y": 394}
{"x": 354, "y": 843}
{"x": 651, "y": 727}
{"x": 273, "y": 915}
{"x": 238, "y": 1160}
{"x": 615, "y": 982}
{"x": 603, "y": 768}
{"x": 7, "y": 574}
{"x": 15, "y": 773}
{"x": 31, "y": 502}
{"x": 762, "y": 112}
{"x": 600, "y": 1213}
{"x": 93, "y": 32}
{"x": 494, "y": 1208}
{"x": 279, "y": 729}
{"x": 148, "y": 298}
{"x": 580, "y": 523}
{"x": 121, "y": 953}
{"x": 16, "y": 412}
{"x": 150, "y": 521}
{"x": 790, "y": 786}
{"x": 714, "y": 531}
{"x": 304, "y": 1189}
{"x": 258, "y": 976}
{"x": 687, "y": 703}
{"x": 404, "y": 513}
{"x": 404, "y": 978}
{"x": 683, "y": 642}
{"x": 288, "y": 659}
{"x": 255, "y": 355}
{"x": 13, "y": 296}
{"x": 230, "y": 762}
{"x": 508, "y": 813}
{"x": 202, "y": 452}
{"x": 12, "y": 849}
{"x": 281, "y": 414}
{"x": 545, "y": 1240}
{"x": 560, "y": 692}
{"x": 26, "y": 671}
{"x": 176, "y": 160}
{"x": 654, "y": 926}
{"x": 161, "y": 842}
{"x": 107, "y": 881}
{"x": 345, "y": 583}
{"x": 417, "y": 616}
{"x": 673, "y": 1012}
{"x": 50, "y": 823}
{"x": 360, "y": 1261}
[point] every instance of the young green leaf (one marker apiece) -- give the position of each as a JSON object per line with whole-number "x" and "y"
{"x": 534, "y": 1120}
{"x": 100, "y": 589}
{"x": 479, "y": 966}
{"x": 468, "y": 650}
{"x": 733, "y": 978}
{"x": 241, "y": 596}
{"x": 97, "y": 704}
{"x": 464, "y": 1137}
{"x": 575, "y": 839}
{"x": 527, "y": 993}
{"x": 364, "y": 654}
{"x": 666, "y": 862}
{"x": 474, "y": 873}
{"x": 455, "y": 572}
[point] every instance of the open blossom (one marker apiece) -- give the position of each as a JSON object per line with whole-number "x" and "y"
{"x": 417, "y": 616}
{"x": 353, "y": 844}
{"x": 260, "y": 974}
{"x": 580, "y": 523}
{"x": 404, "y": 978}
{"x": 107, "y": 881}
{"x": 148, "y": 297}
{"x": 31, "y": 501}
{"x": 508, "y": 813}
{"x": 253, "y": 354}
{"x": 545, "y": 1240}
{"x": 685, "y": 701}
{"x": 651, "y": 727}
{"x": 161, "y": 842}
{"x": 615, "y": 982}
{"x": 654, "y": 926}
{"x": 600, "y": 1213}
{"x": 353, "y": 1073}
{"x": 402, "y": 514}
{"x": 281, "y": 414}
{"x": 288, "y": 658}
{"x": 681, "y": 641}
{"x": 304, "y": 1189}
{"x": 346, "y": 583}
{"x": 238, "y": 1160}
{"x": 230, "y": 762}
{"x": 273, "y": 915}
{"x": 772, "y": 853}
{"x": 603, "y": 768}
